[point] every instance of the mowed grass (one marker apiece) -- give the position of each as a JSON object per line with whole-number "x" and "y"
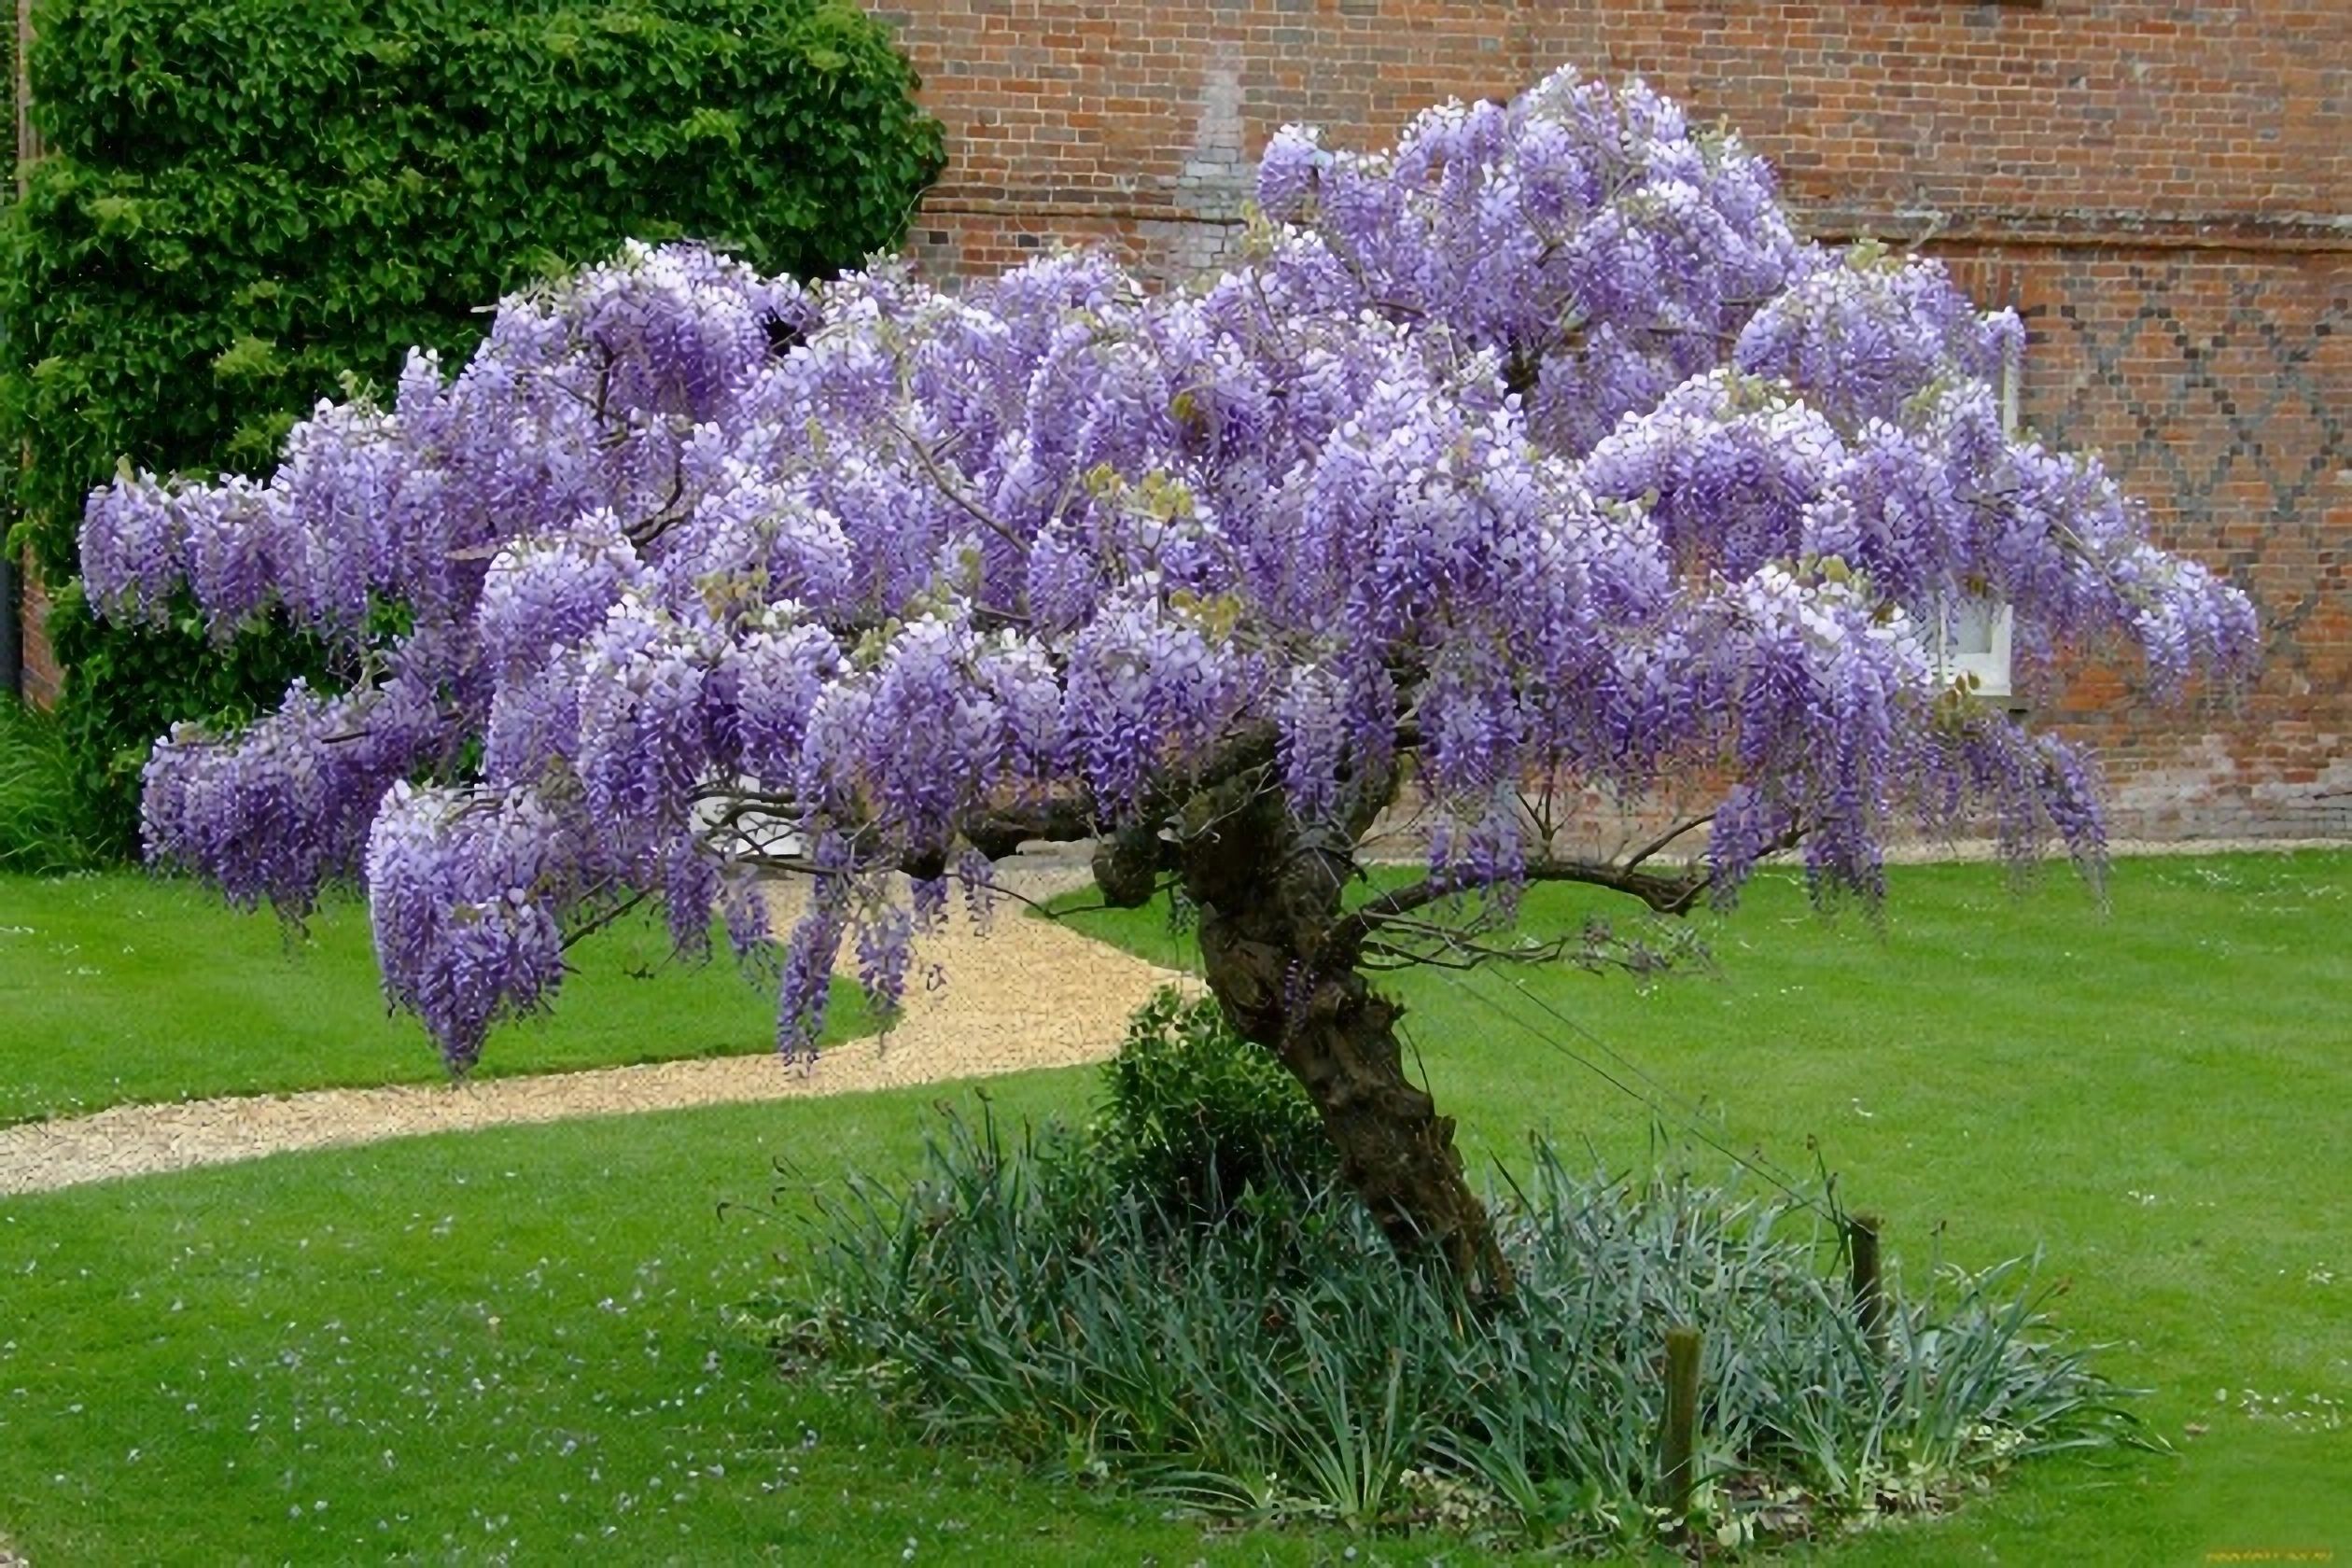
{"x": 121, "y": 986}
{"x": 2157, "y": 1095}
{"x": 506, "y": 1345}
{"x": 513, "y": 1344}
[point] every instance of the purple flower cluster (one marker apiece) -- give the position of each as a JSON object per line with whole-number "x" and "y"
{"x": 279, "y": 809}
{"x": 1539, "y": 443}
{"x": 465, "y": 889}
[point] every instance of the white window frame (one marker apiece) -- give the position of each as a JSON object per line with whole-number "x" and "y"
{"x": 1990, "y": 668}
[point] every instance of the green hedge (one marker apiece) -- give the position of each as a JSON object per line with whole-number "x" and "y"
{"x": 246, "y": 201}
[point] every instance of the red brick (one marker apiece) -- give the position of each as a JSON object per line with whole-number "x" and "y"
{"x": 2160, "y": 189}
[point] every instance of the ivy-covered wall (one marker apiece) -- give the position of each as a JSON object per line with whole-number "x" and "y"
{"x": 248, "y": 202}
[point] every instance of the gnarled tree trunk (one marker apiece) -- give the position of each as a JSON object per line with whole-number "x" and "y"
{"x": 1268, "y": 899}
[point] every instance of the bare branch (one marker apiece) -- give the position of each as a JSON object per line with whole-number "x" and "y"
{"x": 1666, "y": 895}
{"x": 663, "y": 517}
{"x": 953, "y": 491}
{"x": 1663, "y": 840}
{"x": 589, "y": 928}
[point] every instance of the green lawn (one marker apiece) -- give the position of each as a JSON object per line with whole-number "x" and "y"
{"x": 125, "y": 987}
{"x": 511, "y": 1343}
{"x": 2158, "y": 1096}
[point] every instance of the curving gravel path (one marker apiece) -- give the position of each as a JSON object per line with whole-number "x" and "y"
{"x": 1028, "y": 994}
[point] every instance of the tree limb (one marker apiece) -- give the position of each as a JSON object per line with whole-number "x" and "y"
{"x": 603, "y": 918}
{"x": 1664, "y": 893}
{"x": 954, "y": 492}
{"x": 1663, "y": 840}
{"x": 999, "y": 833}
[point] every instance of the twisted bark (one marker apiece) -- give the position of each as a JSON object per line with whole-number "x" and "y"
{"x": 1269, "y": 901}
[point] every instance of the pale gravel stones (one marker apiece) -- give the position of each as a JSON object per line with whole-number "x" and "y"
{"x": 1028, "y": 994}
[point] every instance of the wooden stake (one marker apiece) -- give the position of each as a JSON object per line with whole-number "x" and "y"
{"x": 1869, "y": 1296}
{"x": 1682, "y": 1420}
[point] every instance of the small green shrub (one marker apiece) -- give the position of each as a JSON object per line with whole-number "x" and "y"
{"x": 1016, "y": 1295}
{"x": 1197, "y": 1119}
{"x": 44, "y": 828}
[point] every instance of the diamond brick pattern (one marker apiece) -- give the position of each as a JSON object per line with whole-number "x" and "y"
{"x": 2161, "y": 189}
{"x": 2219, "y": 389}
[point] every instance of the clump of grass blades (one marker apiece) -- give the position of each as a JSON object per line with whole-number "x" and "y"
{"x": 44, "y": 826}
{"x": 1016, "y": 1294}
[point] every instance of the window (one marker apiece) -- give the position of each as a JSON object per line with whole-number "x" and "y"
{"x": 1974, "y": 640}
{"x": 1974, "y": 637}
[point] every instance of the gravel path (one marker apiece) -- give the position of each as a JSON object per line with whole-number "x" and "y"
{"x": 1028, "y": 994}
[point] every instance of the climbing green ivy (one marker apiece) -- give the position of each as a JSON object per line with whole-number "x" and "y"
{"x": 247, "y": 201}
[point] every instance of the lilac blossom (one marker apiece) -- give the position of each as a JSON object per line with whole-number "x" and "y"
{"x": 1537, "y": 452}
{"x": 464, "y": 888}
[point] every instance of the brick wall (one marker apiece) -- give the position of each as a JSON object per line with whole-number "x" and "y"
{"x": 2163, "y": 190}
{"x": 2216, "y": 386}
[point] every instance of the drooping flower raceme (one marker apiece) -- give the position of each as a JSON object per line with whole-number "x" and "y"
{"x": 1538, "y": 450}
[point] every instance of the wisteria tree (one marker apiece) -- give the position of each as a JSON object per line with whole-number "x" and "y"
{"x": 1536, "y": 457}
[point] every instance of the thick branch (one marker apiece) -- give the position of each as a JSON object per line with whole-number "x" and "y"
{"x": 999, "y": 833}
{"x": 995, "y": 832}
{"x": 1665, "y": 893}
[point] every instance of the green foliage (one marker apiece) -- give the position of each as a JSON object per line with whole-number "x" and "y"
{"x": 7, "y": 98}
{"x": 1196, "y": 1118}
{"x": 1014, "y": 1297}
{"x": 2169, "y": 1131}
{"x": 247, "y": 200}
{"x": 126, "y": 688}
{"x": 43, "y": 828}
